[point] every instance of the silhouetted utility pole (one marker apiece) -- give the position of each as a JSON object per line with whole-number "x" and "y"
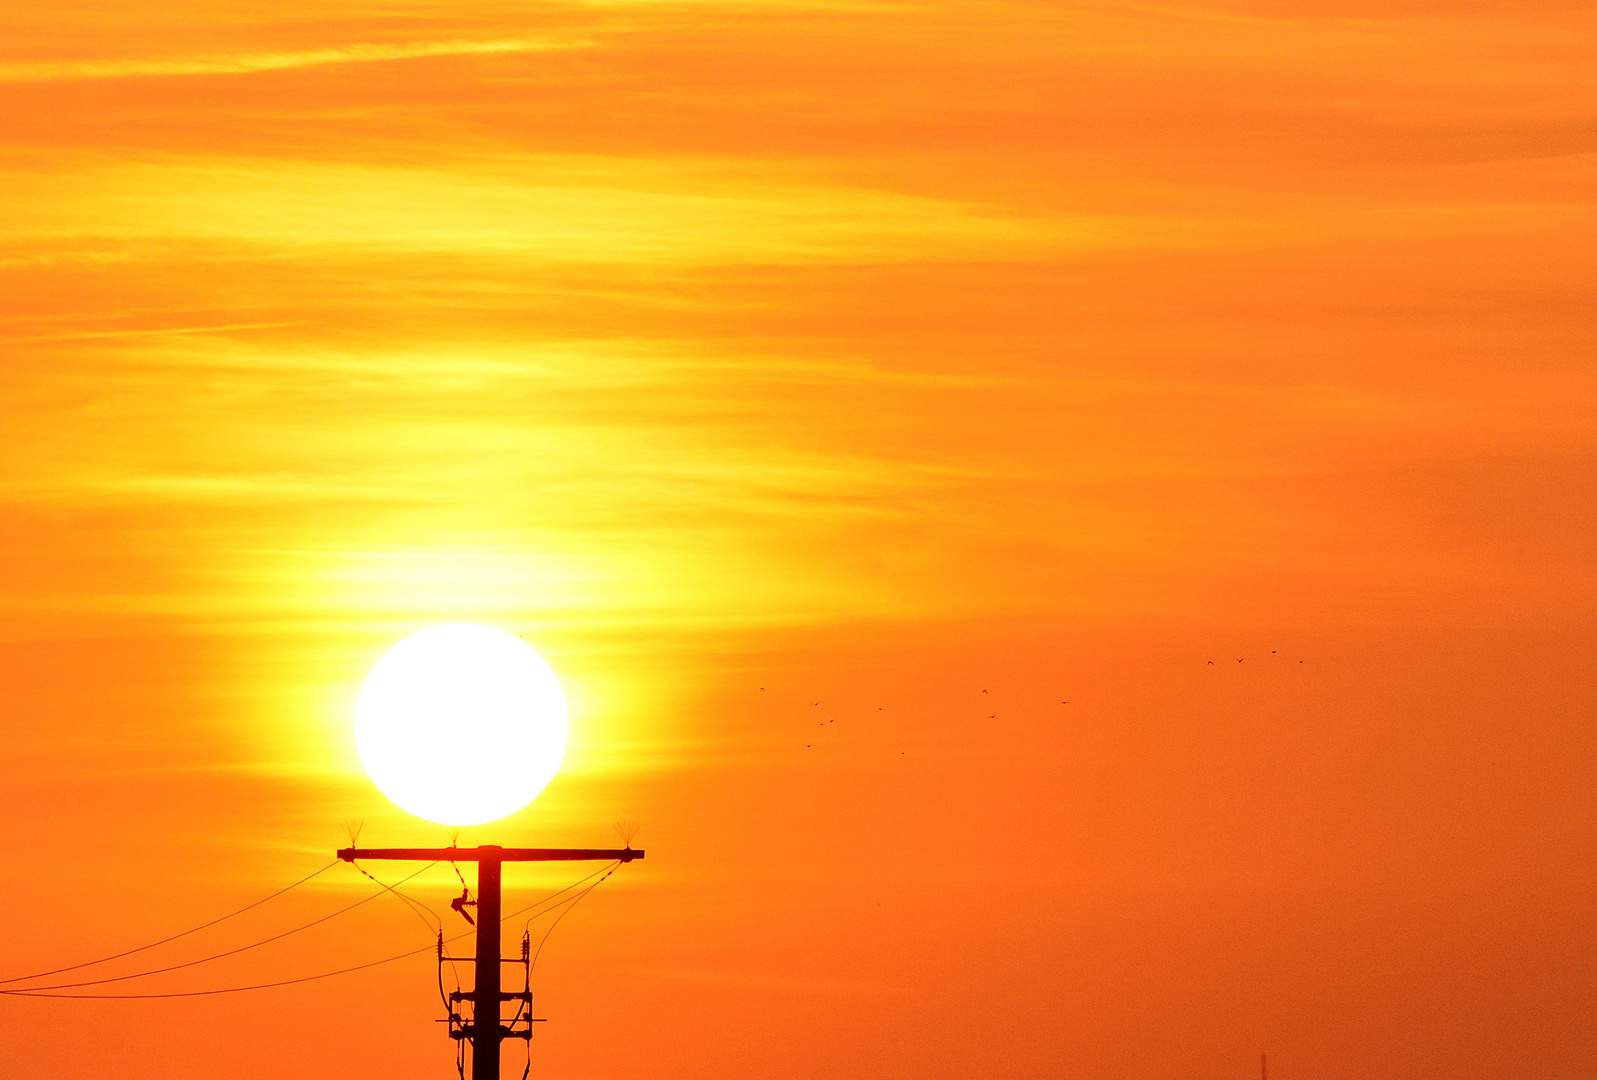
{"x": 486, "y": 1029}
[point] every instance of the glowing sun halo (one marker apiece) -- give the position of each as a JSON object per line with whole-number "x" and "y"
{"x": 461, "y": 724}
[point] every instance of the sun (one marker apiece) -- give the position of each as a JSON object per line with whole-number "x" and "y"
{"x": 461, "y": 724}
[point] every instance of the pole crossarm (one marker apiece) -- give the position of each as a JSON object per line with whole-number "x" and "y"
{"x": 491, "y": 853}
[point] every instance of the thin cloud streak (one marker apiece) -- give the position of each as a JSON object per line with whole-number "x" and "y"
{"x": 546, "y": 207}
{"x": 250, "y": 63}
{"x": 756, "y": 981}
{"x": 164, "y": 331}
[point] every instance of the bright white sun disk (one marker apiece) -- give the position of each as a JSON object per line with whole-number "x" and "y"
{"x": 461, "y": 724}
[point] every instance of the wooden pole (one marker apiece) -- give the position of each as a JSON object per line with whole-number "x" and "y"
{"x": 485, "y": 1027}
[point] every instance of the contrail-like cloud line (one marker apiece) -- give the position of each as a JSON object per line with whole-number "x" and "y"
{"x": 366, "y": 53}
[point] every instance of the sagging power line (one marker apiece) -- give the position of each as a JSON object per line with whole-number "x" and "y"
{"x": 215, "y": 956}
{"x": 48, "y": 991}
{"x": 174, "y": 937}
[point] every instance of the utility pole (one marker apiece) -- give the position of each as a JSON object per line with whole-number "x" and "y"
{"x": 486, "y": 1030}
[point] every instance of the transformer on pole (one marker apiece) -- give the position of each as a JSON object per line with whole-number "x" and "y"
{"x": 486, "y": 1029}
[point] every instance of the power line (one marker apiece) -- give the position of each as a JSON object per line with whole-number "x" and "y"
{"x": 575, "y": 900}
{"x": 415, "y": 905}
{"x": 47, "y": 992}
{"x": 174, "y": 937}
{"x": 232, "y": 989}
{"x": 605, "y": 870}
{"x": 216, "y": 956}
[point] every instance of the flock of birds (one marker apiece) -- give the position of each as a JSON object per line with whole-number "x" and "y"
{"x": 833, "y": 720}
{"x": 993, "y": 716}
{"x": 1242, "y": 658}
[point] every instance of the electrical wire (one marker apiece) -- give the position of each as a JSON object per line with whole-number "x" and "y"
{"x": 533, "y": 962}
{"x": 465, "y": 895}
{"x": 174, "y": 937}
{"x": 575, "y": 900}
{"x": 602, "y": 873}
{"x": 460, "y": 1060}
{"x": 229, "y": 989}
{"x": 216, "y": 956}
{"x": 48, "y": 993}
{"x": 422, "y": 911}
{"x": 605, "y": 870}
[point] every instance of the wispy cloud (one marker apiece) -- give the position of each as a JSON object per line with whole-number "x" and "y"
{"x": 545, "y": 207}
{"x": 163, "y": 331}
{"x": 788, "y": 983}
{"x": 248, "y": 63}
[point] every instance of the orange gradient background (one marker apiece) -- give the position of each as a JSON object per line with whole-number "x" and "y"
{"x": 831, "y": 393}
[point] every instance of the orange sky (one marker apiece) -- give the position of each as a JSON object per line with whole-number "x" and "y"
{"x": 927, "y": 365}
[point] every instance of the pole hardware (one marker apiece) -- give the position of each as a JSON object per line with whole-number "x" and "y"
{"x": 486, "y": 996}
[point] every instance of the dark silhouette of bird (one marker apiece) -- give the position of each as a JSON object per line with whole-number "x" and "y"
{"x": 463, "y": 901}
{"x": 1211, "y": 661}
{"x": 984, "y": 691}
